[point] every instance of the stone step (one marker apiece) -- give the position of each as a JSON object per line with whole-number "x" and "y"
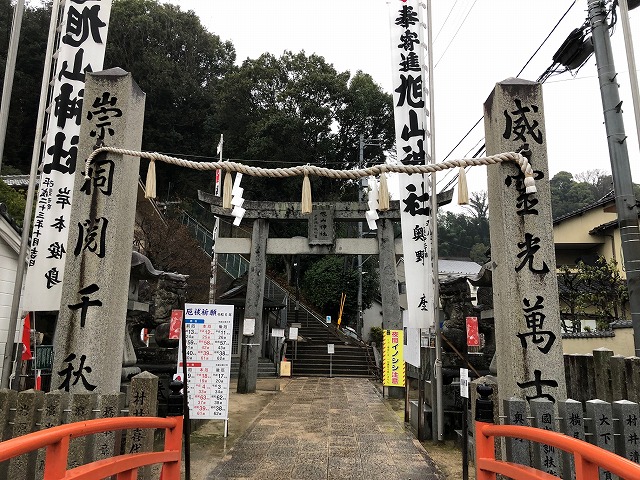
{"x": 323, "y": 370}
{"x": 323, "y": 353}
{"x": 346, "y": 364}
{"x": 266, "y": 368}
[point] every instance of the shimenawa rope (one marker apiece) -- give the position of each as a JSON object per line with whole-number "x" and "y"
{"x": 307, "y": 170}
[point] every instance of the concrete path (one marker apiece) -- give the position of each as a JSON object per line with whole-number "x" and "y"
{"x": 327, "y": 428}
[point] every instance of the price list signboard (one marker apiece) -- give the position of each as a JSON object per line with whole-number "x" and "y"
{"x": 208, "y": 332}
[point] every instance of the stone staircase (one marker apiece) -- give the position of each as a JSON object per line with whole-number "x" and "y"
{"x": 266, "y": 368}
{"x": 312, "y": 360}
{"x": 310, "y": 356}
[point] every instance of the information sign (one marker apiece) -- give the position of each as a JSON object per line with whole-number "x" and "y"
{"x": 293, "y": 333}
{"x": 208, "y": 332}
{"x": 44, "y": 357}
{"x": 330, "y": 348}
{"x": 393, "y": 368}
{"x": 464, "y": 383}
{"x": 249, "y": 327}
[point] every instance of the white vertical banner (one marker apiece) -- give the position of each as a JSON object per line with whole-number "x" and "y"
{"x": 83, "y": 36}
{"x": 410, "y": 99}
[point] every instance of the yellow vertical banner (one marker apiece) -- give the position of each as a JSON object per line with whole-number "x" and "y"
{"x": 393, "y": 373}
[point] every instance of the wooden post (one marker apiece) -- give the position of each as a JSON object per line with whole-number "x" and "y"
{"x": 250, "y": 345}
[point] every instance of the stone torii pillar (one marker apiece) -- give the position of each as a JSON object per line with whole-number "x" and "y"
{"x": 391, "y": 314}
{"x": 525, "y": 287}
{"x": 385, "y": 245}
{"x": 251, "y": 344}
{"x": 88, "y": 342}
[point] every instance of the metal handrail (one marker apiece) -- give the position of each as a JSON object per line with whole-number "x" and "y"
{"x": 239, "y": 264}
{"x": 587, "y": 457}
{"x": 57, "y": 439}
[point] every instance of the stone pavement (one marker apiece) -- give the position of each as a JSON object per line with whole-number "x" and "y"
{"x": 327, "y": 428}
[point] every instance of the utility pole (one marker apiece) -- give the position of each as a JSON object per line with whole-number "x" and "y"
{"x": 296, "y": 267}
{"x": 619, "y": 157}
{"x": 631, "y": 62}
{"x": 213, "y": 282}
{"x": 9, "y": 71}
{"x": 362, "y": 187}
{"x": 7, "y": 365}
{"x": 437, "y": 364}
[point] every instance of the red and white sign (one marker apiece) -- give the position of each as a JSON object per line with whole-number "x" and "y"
{"x": 208, "y": 333}
{"x": 26, "y": 339}
{"x": 473, "y": 336}
{"x": 175, "y": 324}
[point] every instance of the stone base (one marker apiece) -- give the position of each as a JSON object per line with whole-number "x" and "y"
{"x": 395, "y": 392}
{"x": 452, "y": 421}
{"x": 128, "y": 372}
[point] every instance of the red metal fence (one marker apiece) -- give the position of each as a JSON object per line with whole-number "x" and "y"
{"x": 56, "y": 440}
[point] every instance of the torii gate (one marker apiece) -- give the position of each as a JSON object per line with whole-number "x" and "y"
{"x": 320, "y": 241}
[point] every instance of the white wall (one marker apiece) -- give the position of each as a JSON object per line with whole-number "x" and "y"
{"x": 8, "y": 263}
{"x": 371, "y": 317}
{"x": 621, "y": 344}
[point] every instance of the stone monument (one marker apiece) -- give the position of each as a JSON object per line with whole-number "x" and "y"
{"x": 91, "y": 323}
{"x": 525, "y": 288}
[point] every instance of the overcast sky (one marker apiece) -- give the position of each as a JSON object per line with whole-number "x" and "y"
{"x": 477, "y": 43}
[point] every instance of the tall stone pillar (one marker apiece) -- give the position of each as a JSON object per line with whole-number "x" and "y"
{"x": 391, "y": 315}
{"x": 91, "y": 323}
{"x": 525, "y": 287}
{"x": 251, "y": 345}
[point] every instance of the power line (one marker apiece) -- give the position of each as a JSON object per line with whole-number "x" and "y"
{"x": 455, "y": 34}
{"x": 255, "y": 160}
{"x": 455, "y": 178}
{"x": 546, "y": 38}
{"x": 445, "y": 21}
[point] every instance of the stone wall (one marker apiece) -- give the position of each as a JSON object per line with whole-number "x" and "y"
{"x": 31, "y": 411}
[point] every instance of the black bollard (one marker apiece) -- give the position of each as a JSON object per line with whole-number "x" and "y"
{"x": 484, "y": 404}
{"x": 175, "y": 406}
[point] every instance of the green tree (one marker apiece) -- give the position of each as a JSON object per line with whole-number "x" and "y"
{"x": 592, "y": 289}
{"x": 326, "y": 280}
{"x": 580, "y": 195}
{"x": 26, "y": 85}
{"x": 570, "y": 291}
{"x": 570, "y": 193}
{"x": 452, "y": 234}
{"x": 560, "y": 184}
{"x": 466, "y": 234}
{"x": 604, "y": 290}
{"x": 14, "y": 202}
{"x": 298, "y": 109}
{"x": 479, "y": 253}
{"x": 599, "y": 180}
{"x": 179, "y": 65}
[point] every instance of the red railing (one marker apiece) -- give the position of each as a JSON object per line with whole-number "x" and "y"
{"x": 587, "y": 457}
{"x": 56, "y": 440}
